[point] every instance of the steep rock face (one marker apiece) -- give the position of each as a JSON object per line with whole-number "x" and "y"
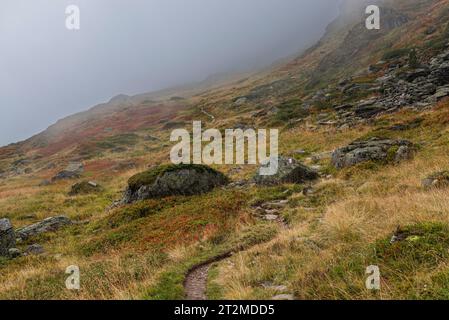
{"x": 7, "y": 237}
{"x": 172, "y": 180}
{"x": 359, "y": 38}
{"x": 289, "y": 171}
{"x": 375, "y": 149}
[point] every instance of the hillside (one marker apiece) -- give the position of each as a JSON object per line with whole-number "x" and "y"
{"x": 368, "y": 111}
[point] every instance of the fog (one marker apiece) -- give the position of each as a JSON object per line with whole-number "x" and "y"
{"x": 135, "y": 46}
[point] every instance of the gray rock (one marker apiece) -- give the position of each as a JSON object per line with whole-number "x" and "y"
{"x": 184, "y": 180}
{"x": 44, "y": 183}
{"x": 436, "y": 180}
{"x": 46, "y": 225}
{"x": 289, "y": 171}
{"x": 14, "y": 253}
{"x": 34, "y": 249}
{"x": 441, "y": 92}
{"x": 283, "y": 297}
{"x": 375, "y": 149}
{"x": 72, "y": 171}
{"x": 278, "y": 288}
{"x": 7, "y": 237}
{"x": 271, "y": 217}
{"x": 241, "y": 101}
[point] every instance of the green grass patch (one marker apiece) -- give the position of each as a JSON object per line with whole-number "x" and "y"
{"x": 420, "y": 249}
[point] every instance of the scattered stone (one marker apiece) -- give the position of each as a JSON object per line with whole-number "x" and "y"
{"x": 46, "y": 225}
{"x": 123, "y": 166}
{"x": 276, "y": 205}
{"x": 34, "y": 249}
{"x": 170, "y": 180}
{"x": 321, "y": 156}
{"x": 14, "y": 253}
{"x": 299, "y": 152}
{"x": 238, "y": 184}
{"x": 283, "y": 297}
{"x": 149, "y": 137}
{"x": 240, "y": 101}
{"x": 430, "y": 30}
{"x": 7, "y": 237}
{"x": 398, "y": 235}
{"x": 44, "y": 183}
{"x": 270, "y": 286}
{"x": 375, "y": 149}
{"x": 289, "y": 171}
{"x": 436, "y": 180}
{"x": 271, "y": 217}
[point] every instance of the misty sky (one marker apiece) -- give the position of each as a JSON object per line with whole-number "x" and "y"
{"x": 135, "y": 46}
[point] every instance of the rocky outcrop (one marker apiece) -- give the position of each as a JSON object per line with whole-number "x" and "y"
{"x": 170, "y": 180}
{"x": 46, "y": 225}
{"x": 7, "y": 237}
{"x": 289, "y": 171}
{"x": 399, "y": 86}
{"x": 375, "y": 149}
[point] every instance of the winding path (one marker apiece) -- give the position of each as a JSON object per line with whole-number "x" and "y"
{"x": 195, "y": 283}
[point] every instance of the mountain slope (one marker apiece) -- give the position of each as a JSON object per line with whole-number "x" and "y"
{"x": 352, "y": 85}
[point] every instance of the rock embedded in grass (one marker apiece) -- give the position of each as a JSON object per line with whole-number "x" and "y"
{"x": 72, "y": 171}
{"x": 7, "y": 237}
{"x": 289, "y": 171}
{"x": 374, "y": 149}
{"x": 436, "y": 180}
{"x": 171, "y": 180}
{"x": 14, "y": 253}
{"x": 34, "y": 249}
{"x": 84, "y": 187}
{"x": 46, "y": 225}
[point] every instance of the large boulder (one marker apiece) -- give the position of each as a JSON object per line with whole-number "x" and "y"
{"x": 170, "y": 180}
{"x": 46, "y": 225}
{"x": 374, "y": 149}
{"x": 7, "y": 237}
{"x": 289, "y": 171}
{"x": 72, "y": 171}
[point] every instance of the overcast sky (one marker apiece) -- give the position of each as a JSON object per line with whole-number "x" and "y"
{"x": 135, "y": 46}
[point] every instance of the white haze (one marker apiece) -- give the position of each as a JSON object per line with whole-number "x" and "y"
{"x": 135, "y": 46}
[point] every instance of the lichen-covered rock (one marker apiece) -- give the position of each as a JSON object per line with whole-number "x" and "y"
{"x": 7, "y": 237}
{"x": 170, "y": 180}
{"x": 84, "y": 187}
{"x": 14, "y": 253}
{"x": 289, "y": 171}
{"x": 436, "y": 180}
{"x": 34, "y": 249}
{"x": 375, "y": 149}
{"x": 46, "y": 225}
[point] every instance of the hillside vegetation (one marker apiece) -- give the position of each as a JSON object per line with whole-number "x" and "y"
{"x": 311, "y": 240}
